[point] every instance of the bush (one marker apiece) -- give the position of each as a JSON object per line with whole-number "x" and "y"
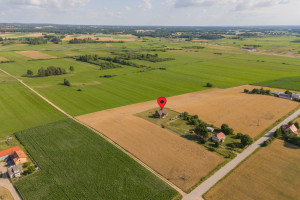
{"x": 72, "y": 68}
{"x": 217, "y": 144}
{"x": 29, "y": 72}
{"x": 239, "y": 135}
{"x": 297, "y": 125}
{"x": 67, "y": 83}
{"x": 246, "y": 90}
{"x": 209, "y": 84}
{"x": 268, "y": 141}
{"x": 246, "y": 140}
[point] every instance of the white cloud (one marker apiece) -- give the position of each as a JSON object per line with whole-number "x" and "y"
{"x": 47, "y": 3}
{"x": 236, "y": 4}
{"x": 127, "y": 8}
{"x": 146, "y": 4}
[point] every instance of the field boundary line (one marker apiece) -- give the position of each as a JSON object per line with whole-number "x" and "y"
{"x": 183, "y": 194}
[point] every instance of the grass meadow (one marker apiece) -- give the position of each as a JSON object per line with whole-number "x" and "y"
{"x": 289, "y": 83}
{"x": 21, "y": 109}
{"x": 189, "y": 72}
{"x": 76, "y": 163}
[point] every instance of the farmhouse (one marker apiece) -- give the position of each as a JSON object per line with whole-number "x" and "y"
{"x": 15, "y": 171}
{"x": 290, "y": 128}
{"x": 220, "y": 137}
{"x": 295, "y": 96}
{"x": 285, "y": 96}
{"x": 8, "y": 152}
{"x": 161, "y": 113}
{"x": 19, "y": 157}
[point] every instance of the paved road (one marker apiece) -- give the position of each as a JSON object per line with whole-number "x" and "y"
{"x": 4, "y": 182}
{"x": 197, "y": 193}
{"x": 99, "y": 133}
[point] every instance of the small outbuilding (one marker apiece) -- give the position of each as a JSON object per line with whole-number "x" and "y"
{"x": 290, "y": 128}
{"x": 210, "y": 129}
{"x": 161, "y": 113}
{"x": 220, "y": 137}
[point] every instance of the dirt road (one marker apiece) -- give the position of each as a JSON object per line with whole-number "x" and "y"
{"x": 4, "y": 182}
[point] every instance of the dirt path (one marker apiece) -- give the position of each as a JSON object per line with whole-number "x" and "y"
{"x": 197, "y": 193}
{"x": 4, "y": 182}
{"x": 96, "y": 131}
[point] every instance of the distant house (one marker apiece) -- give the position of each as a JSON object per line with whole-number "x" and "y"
{"x": 219, "y": 137}
{"x": 296, "y": 96}
{"x": 19, "y": 157}
{"x": 161, "y": 113}
{"x": 276, "y": 92}
{"x": 210, "y": 129}
{"x": 15, "y": 171}
{"x": 290, "y": 128}
{"x": 285, "y": 96}
{"x": 8, "y": 152}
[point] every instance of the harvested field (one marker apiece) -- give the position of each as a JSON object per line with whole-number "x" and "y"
{"x": 5, "y": 194}
{"x": 3, "y": 59}
{"x": 35, "y": 54}
{"x": 272, "y": 173}
{"x": 181, "y": 161}
{"x": 247, "y": 113}
{"x": 104, "y": 38}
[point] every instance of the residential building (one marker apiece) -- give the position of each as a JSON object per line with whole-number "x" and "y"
{"x": 15, "y": 171}
{"x": 8, "y": 152}
{"x": 161, "y": 113}
{"x": 219, "y": 137}
{"x": 19, "y": 157}
{"x": 290, "y": 128}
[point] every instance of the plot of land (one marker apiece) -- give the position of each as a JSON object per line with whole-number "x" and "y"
{"x": 181, "y": 161}
{"x": 3, "y": 59}
{"x": 5, "y": 194}
{"x": 247, "y": 113}
{"x": 272, "y": 173}
{"x": 76, "y": 163}
{"x": 35, "y": 54}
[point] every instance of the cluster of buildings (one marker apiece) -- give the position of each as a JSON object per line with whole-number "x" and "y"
{"x": 291, "y": 96}
{"x": 290, "y": 129}
{"x": 17, "y": 156}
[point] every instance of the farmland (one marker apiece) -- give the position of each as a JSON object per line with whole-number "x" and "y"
{"x": 181, "y": 161}
{"x": 21, "y": 109}
{"x": 271, "y": 173}
{"x": 290, "y": 83}
{"x": 76, "y": 163}
{"x": 35, "y": 54}
{"x": 189, "y": 72}
{"x": 5, "y": 194}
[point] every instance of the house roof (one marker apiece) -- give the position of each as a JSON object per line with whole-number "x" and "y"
{"x": 221, "y": 135}
{"x": 20, "y": 154}
{"x": 163, "y": 111}
{"x": 17, "y": 168}
{"x": 9, "y": 151}
{"x": 292, "y": 127}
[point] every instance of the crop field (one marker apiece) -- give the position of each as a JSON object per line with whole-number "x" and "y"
{"x": 290, "y": 83}
{"x": 35, "y": 54}
{"x": 181, "y": 161}
{"x": 271, "y": 173}
{"x": 189, "y": 72}
{"x": 2, "y": 59}
{"x": 246, "y": 113}
{"x": 5, "y": 194}
{"x": 21, "y": 109}
{"x": 76, "y": 163}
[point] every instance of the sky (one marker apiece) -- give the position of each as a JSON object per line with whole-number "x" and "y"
{"x": 152, "y": 12}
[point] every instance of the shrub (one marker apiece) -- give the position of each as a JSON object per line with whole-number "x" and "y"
{"x": 297, "y": 125}
{"x": 246, "y": 140}
{"x": 29, "y": 72}
{"x": 209, "y": 84}
{"x": 217, "y": 144}
{"x": 67, "y": 82}
{"x": 246, "y": 90}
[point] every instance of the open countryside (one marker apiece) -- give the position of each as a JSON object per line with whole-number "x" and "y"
{"x": 171, "y": 110}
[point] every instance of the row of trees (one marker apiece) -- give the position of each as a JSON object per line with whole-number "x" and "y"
{"x": 147, "y": 57}
{"x": 49, "y": 71}
{"x": 258, "y": 91}
{"x": 94, "y": 59}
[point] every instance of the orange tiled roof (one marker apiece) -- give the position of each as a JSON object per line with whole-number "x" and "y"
{"x": 20, "y": 154}
{"x": 9, "y": 151}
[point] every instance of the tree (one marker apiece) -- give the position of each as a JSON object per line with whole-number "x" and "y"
{"x": 72, "y": 68}
{"x": 217, "y": 144}
{"x": 297, "y": 125}
{"x": 67, "y": 83}
{"x": 228, "y": 131}
{"x": 209, "y": 84}
{"x": 239, "y": 135}
{"x": 290, "y": 123}
{"x": 185, "y": 115}
{"x": 278, "y": 133}
{"x": 31, "y": 169}
{"x": 29, "y": 72}
{"x": 201, "y": 131}
{"x": 246, "y": 140}
{"x": 224, "y": 126}
{"x": 41, "y": 72}
{"x": 246, "y": 90}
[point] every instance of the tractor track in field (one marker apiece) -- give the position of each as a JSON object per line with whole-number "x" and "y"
{"x": 182, "y": 193}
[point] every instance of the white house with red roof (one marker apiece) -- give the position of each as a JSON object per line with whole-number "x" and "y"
{"x": 219, "y": 137}
{"x": 290, "y": 128}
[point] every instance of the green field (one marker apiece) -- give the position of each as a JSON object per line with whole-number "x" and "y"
{"x": 21, "y": 109}
{"x": 189, "y": 72}
{"x": 76, "y": 163}
{"x": 290, "y": 83}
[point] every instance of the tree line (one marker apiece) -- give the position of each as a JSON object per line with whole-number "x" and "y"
{"x": 147, "y": 57}
{"x": 49, "y": 71}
